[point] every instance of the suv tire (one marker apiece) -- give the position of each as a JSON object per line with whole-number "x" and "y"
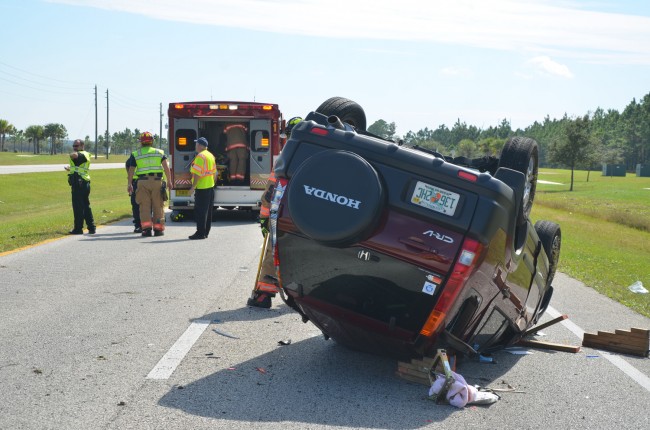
{"x": 336, "y": 207}
{"x": 522, "y": 154}
{"x": 551, "y": 237}
{"x": 347, "y": 110}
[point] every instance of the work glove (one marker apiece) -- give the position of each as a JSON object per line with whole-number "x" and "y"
{"x": 264, "y": 225}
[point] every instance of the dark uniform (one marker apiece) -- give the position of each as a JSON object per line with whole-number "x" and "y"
{"x": 204, "y": 173}
{"x": 135, "y": 207}
{"x": 79, "y": 180}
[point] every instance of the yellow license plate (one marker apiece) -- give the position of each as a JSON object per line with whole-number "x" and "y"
{"x": 183, "y": 193}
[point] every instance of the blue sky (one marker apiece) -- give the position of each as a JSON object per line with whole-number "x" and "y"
{"x": 416, "y": 63}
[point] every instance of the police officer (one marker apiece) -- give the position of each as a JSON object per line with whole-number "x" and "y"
{"x": 135, "y": 208}
{"x": 204, "y": 174}
{"x": 149, "y": 166}
{"x": 267, "y": 283}
{"x": 79, "y": 180}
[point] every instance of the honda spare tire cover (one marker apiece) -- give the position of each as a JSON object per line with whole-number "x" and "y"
{"x": 335, "y": 198}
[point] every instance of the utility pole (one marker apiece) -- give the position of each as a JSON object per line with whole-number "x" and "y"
{"x": 107, "y": 142}
{"x": 95, "y": 121}
{"x": 160, "y": 135}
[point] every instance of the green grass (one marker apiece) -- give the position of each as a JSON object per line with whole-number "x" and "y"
{"x": 606, "y": 235}
{"x": 605, "y": 228}
{"x": 26, "y": 158}
{"x": 37, "y": 206}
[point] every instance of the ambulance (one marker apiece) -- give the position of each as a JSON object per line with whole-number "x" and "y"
{"x": 263, "y": 125}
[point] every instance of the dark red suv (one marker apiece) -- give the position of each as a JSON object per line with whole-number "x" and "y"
{"x": 399, "y": 251}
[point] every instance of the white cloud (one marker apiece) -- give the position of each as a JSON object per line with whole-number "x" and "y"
{"x": 546, "y": 65}
{"x": 536, "y": 26}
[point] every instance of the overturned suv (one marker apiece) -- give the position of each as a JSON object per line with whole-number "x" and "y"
{"x": 399, "y": 251}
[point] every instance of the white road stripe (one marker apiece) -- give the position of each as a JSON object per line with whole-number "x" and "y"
{"x": 631, "y": 371}
{"x": 173, "y": 357}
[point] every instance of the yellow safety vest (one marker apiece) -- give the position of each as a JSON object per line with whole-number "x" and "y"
{"x": 205, "y": 166}
{"x": 148, "y": 160}
{"x": 83, "y": 169}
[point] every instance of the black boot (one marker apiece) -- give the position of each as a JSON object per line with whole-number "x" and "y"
{"x": 260, "y": 299}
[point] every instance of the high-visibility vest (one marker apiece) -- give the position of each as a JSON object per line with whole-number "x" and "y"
{"x": 83, "y": 169}
{"x": 148, "y": 160}
{"x": 205, "y": 167}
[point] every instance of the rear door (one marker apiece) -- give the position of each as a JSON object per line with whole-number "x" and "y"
{"x": 185, "y": 133}
{"x": 260, "y": 153}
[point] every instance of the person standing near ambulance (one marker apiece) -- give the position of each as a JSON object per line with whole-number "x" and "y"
{"x": 267, "y": 283}
{"x": 150, "y": 163}
{"x": 237, "y": 150}
{"x": 79, "y": 180}
{"x": 204, "y": 175}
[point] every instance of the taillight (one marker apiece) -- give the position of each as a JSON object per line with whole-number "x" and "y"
{"x": 319, "y": 131}
{"x": 465, "y": 265}
{"x": 467, "y": 176}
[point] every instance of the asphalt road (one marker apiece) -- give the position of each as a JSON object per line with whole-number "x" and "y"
{"x": 116, "y": 331}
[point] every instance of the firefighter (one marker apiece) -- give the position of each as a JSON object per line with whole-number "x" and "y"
{"x": 267, "y": 283}
{"x": 237, "y": 150}
{"x": 150, "y": 163}
{"x": 79, "y": 180}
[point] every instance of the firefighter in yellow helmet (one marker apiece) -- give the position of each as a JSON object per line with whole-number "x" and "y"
{"x": 148, "y": 165}
{"x": 267, "y": 283}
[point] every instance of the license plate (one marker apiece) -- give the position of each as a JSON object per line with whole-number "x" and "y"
{"x": 435, "y": 199}
{"x": 182, "y": 193}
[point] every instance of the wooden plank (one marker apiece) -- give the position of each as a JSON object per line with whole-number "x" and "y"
{"x": 616, "y": 348}
{"x": 546, "y": 324}
{"x": 412, "y": 372}
{"x": 621, "y": 341}
{"x": 549, "y": 345}
{"x": 411, "y": 378}
{"x": 643, "y": 331}
{"x": 631, "y": 333}
{"x": 617, "y": 339}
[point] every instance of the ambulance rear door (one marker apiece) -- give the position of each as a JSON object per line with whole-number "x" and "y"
{"x": 185, "y": 133}
{"x": 261, "y": 157}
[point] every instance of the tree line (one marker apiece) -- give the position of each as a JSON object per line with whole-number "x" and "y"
{"x": 584, "y": 142}
{"x": 52, "y": 138}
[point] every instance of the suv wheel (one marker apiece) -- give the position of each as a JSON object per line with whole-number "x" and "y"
{"x": 522, "y": 154}
{"x": 551, "y": 237}
{"x": 347, "y": 110}
{"x": 336, "y": 198}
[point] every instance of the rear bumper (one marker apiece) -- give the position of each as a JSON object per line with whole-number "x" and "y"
{"x": 243, "y": 197}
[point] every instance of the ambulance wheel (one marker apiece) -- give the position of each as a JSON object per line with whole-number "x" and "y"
{"x": 347, "y": 110}
{"x": 336, "y": 209}
{"x": 177, "y": 216}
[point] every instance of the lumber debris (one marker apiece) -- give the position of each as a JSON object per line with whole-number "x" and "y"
{"x": 548, "y": 345}
{"x": 537, "y": 328}
{"x": 635, "y": 341}
{"x": 417, "y": 370}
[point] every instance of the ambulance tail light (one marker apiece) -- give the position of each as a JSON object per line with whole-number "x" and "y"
{"x": 470, "y": 254}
